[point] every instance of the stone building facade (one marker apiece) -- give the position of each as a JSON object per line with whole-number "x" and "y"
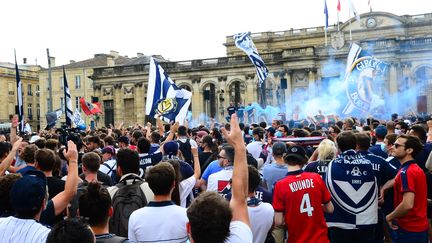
{"x": 80, "y": 85}
{"x": 30, "y": 89}
{"x": 299, "y": 62}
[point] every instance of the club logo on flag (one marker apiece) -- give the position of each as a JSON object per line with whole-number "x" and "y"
{"x": 362, "y": 70}
{"x": 166, "y": 106}
{"x": 164, "y": 97}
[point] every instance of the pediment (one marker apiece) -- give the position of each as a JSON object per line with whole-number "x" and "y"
{"x": 380, "y": 20}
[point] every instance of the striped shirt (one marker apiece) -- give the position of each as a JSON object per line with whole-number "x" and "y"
{"x": 22, "y": 230}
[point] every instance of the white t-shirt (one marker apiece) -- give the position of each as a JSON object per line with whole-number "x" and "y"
{"x": 22, "y": 230}
{"x": 261, "y": 220}
{"x": 239, "y": 233}
{"x": 158, "y": 222}
{"x": 255, "y": 148}
{"x": 186, "y": 187}
{"x": 219, "y": 181}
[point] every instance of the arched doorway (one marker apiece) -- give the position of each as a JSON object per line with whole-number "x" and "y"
{"x": 236, "y": 89}
{"x": 209, "y": 100}
{"x": 423, "y": 79}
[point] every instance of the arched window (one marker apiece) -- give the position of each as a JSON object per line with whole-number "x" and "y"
{"x": 236, "y": 88}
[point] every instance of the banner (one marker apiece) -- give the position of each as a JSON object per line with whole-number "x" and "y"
{"x": 164, "y": 98}
{"x": 362, "y": 72}
{"x": 77, "y": 119}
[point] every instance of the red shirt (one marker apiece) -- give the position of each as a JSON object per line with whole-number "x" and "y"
{"x": 300, "y": 196}
{"x": 411, "y": 178}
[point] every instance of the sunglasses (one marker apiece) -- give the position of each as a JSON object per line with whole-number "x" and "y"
{"x": 397, "y": 145}
{"x": 220, "y": 157}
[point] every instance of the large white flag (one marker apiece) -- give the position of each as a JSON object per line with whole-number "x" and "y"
{"x": 164, "y": 98}
{"x": 77, "y": 120}
{"x": 245, "y": 43}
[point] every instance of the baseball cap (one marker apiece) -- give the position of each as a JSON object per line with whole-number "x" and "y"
{"x": 29, "y": 191}
{"x": 123, "y": 139}
{"x": 381, "y": 130}
{"x": 171, "y": 148}
{"x": 109, "y": 149}
{"x": 34, "y": 138}
{"x": 202, "y": 134}
{"x": 279, "y": 148}
{"x": 271, "y": 130}
{"x": 296, "y": 152}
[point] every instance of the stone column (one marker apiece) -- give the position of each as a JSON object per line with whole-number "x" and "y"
{"x": 139, "y": 102}
{"x": 197, "y": 99}
{"x": 311, "y": 79}
{"x": 222, "y": 96}
{"x": 393, "y": 79}
{"x": 118, "y": 103}
{"x": 251, "y": 89}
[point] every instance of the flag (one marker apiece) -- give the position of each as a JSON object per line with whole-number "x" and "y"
{"x": 20, "y": 110}
{"x": 52, "y": 118}
{"x": 77, "y": 120}
{"x": 362, "y": 72}
{"x": 164, "y": 97}
{"x": 326, "y": 15}
{"x": 326, "y": 21}
{"x": 68, "y": 101}
{"x": 245, "y": 43}
{"x": 338, "y": 11}
{"x": 353, "y": 10}
{"x": 90, "y": 108}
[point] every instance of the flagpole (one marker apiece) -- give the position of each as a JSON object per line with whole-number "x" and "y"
{"x": 338, "y": 20}
{"x": 50, "y": 104}
{"x": 325, "y": 36}
{"x": 349, "y": 21}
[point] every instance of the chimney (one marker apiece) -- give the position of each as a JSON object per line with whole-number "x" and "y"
{"x": 115, "y": 54}
{"x": 139, "y": 54}
{"x": 71, "y": 61}
{"x": 52, "y": 60}
{"x": 25, "y": 60}
{"x": 110, "y": 61}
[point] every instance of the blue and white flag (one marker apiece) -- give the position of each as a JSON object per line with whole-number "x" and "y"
{"x": 245, "y": 43}
{"x": 52, "y": 118}
{"x": 363, "y": 71}
{"x": 164, "y": 98}
{"x": 77, "y": 120}
{"x": 68, "y": 101}
{"x": 20, "y": 110}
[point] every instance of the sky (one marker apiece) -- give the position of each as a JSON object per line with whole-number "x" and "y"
{"x": 176, "y": 29}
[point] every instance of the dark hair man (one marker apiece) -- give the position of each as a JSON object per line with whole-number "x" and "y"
{"x": 409, "y": 218}
{"x": 131, "y": 193}
{"x": 220, "y": 181}
{"x": 352, "y": 185}
{"x": 144, "y": 223}
{"x": 223, "y": 222}
{"x": 71, "y": 230}
{"x": 95, "y": 205}
{"x": 45, "y": 160}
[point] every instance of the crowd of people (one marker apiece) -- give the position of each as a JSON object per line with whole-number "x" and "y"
{"x": 362, "y": 181}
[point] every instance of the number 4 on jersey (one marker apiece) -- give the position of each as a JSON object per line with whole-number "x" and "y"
{"x": 305, "y": 205}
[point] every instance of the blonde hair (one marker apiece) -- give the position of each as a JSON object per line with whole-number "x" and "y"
{"x": 326, "y": 150}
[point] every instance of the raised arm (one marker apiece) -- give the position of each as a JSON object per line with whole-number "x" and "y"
{"x": 13, "y": 129}
{"x": 62, "y": 199}
{"x": 240, "y": 172}
{"x": 4, "y": 165}
{"x": 196, "y": 162}
{"x": 429, "y": 134}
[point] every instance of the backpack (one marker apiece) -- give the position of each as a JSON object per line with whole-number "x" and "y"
{"x": 127, "y": 199}
{"x": 186, "y": 151}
